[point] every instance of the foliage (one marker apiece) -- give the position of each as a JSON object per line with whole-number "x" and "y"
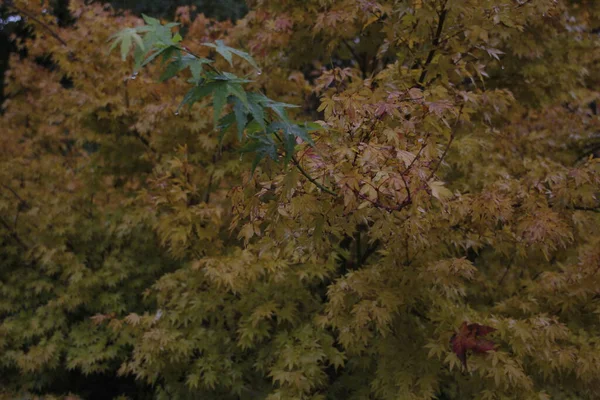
{"x": 450, "y": 194}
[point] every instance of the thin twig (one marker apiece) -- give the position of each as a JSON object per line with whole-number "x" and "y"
{"x": 370, "y": 250}
{"x": 311, "y": 179}
{"x": 510, "y": 263}
{"x": 13, "y": 234}
{"x": 417, "y": 156}
{"x": 362, "y": 65}
{"x": 13, "y": 192}
{"x": 365, "y": 138}
{"x": 210, "y": 181}
{"x": 592, "y": 209}
{"x": 452, "y": 136}
{"x": 186, "y": 50}
{"x": 306, "y": 174}
{"x": 380, "y": 205}
{"x": 409, "y": 198}
{"x": 374, "y": 202}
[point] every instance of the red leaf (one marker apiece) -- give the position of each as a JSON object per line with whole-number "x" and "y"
{"x": 467, "y": 338}
{"x": 483, "y": 345}
{"x": 459, "y": 349}
{"x": 482, "y": 330}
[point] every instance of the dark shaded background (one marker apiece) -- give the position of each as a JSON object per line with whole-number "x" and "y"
{"x": 218, "y": 9}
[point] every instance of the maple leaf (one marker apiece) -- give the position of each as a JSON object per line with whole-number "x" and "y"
{"x": 283, "y": 24}
{"x": 439, "y": 191}
{"x": 126, "y": 37}
{"x": 227, "y": 52}
{"x": 468, "y": 338}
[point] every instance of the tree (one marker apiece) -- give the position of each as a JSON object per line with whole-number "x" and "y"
{"x": 437, "y": 238}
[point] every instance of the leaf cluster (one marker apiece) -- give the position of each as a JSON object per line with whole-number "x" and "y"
{"x": 449, "y": 196}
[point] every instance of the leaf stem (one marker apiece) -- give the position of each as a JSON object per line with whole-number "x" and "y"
{"x": 306, "y": 174}
{"x": 188, "y": 51}
{"x": 311, "y": 179}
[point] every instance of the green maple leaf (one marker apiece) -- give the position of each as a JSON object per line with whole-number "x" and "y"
{"x": 278, "y": 107}
{"x": 241, "y": 116}
{"x": 290, "y": 132}
{"x": 158, "y": 33}
{"x": 220, "y": 91}
{"x": 180, "y": 63}
{"x": 125, "y": 38}
{"x": 227, "y": 53}
{"x": 263, "y": 146}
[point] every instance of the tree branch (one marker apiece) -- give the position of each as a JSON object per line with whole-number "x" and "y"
{"x": 417, "y": 156}
{"x": 13, "y": 234}
{"x": 377, "y": 204}
{"x": 592, "y": 209}
{"x": 436, "y": 41}
{"x": 311, "y": 179}
{"x": 408, "y": 196}
{"x": 362, "y": 65}
{"x": 21, "y": 200}
{"x": 452, "y": 136}
{"x": 508, "y": 266}
{"x": 307, "y": 175}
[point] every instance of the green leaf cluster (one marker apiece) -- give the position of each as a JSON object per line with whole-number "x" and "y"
{"x": 251, "y": 111}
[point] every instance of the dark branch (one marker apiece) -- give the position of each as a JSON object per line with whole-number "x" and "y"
{"x": 362, "y": 64}
{"x": 452, "y": 136}
{"x": 435, "y": 43}
{"x": 592, "y": 209}
{"x": 416, "y": 157}
{"x": 13, "y": 234}
{"x": 307, "y": 175}
{"x": 311, "y": 179}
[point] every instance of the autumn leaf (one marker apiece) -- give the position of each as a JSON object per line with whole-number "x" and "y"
{"x": 439, "y": 191}
{"x": 468, "y": 338}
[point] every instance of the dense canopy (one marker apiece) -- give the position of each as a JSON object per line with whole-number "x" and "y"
{"x": 327, "y": 199}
